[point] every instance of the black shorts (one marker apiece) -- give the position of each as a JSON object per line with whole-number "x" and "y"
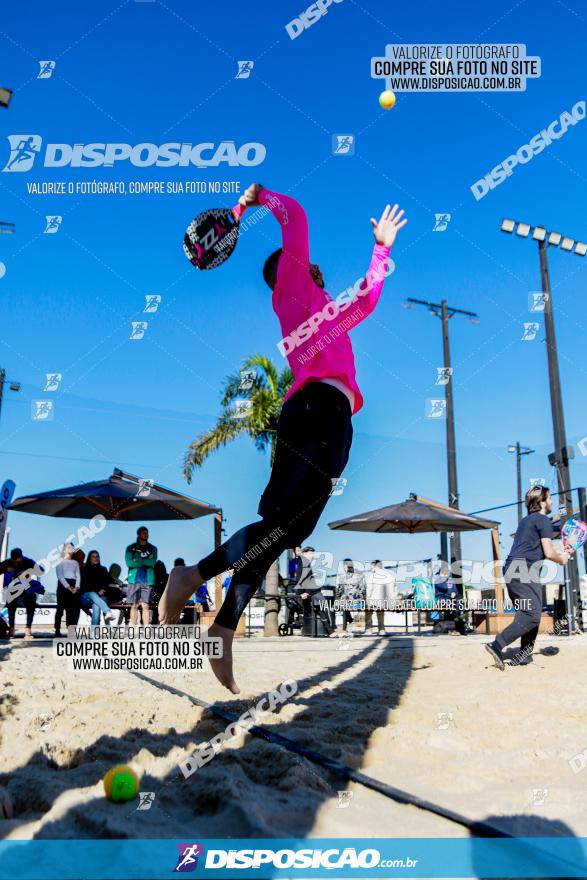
{"x": 314, "y": 436}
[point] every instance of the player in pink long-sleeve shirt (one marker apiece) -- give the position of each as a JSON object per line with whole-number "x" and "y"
{"x": 314, "y": 432}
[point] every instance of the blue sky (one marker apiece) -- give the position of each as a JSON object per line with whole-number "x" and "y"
{"x": 160, "y": 72}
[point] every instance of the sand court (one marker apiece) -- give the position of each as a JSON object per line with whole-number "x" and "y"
{"x": 429, "y": 716}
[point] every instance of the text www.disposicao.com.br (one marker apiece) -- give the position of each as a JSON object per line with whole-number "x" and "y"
{"x": 134, "y": 664}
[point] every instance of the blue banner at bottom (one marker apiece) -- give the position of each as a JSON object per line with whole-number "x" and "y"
{"x": 292, "y": 858}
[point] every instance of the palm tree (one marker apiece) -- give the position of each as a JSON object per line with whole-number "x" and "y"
{"x": 250, "y": 406}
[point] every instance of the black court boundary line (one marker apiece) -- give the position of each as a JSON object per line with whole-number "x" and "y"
{"x": 477, "y": 829}
{"x": 480, "y": 829}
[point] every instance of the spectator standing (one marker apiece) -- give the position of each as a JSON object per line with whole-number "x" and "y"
{"x": 310, "y": 593}
{"x": 68, "y": 589}
{"x": 349, "y": 591}
{"x": 140, "y": 558}
{"x": 379, "y": 595}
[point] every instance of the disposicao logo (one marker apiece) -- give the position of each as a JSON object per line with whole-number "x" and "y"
{"x": 554, "y": 132}
{"x": 187, "y": 861}
{"x": 24, "y": 149}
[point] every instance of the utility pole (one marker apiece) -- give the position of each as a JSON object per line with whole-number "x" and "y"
{"x": 451, "y": 451}
{"x": 520, "y": 451}
{"x": 445, "y": 312}
{"x": 14, "y": 386}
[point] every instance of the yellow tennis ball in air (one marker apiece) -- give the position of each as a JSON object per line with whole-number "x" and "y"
{"x": 387, "y": 99}
{"x": 121, "y": 783}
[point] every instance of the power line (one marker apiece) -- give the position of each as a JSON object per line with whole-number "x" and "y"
{"x": 70, "y": 458}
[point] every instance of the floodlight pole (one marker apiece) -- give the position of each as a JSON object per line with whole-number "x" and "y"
{"x": 556, "y": 405}
{"x": 561, "y": 453}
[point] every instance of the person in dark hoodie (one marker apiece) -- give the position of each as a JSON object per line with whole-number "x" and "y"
{"x": 26, "y": 595}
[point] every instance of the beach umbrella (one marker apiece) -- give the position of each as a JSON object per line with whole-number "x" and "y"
{"x": 413, "y": 516}
{"x": 118, "y": 497}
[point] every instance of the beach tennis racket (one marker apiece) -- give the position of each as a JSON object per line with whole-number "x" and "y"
{"x": 211, "y": 237}
{"x": 574, "y": 534}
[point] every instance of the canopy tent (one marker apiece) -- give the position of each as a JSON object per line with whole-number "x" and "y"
{"x": 123, "y": 497}
{"x": 118, "y": 497}
{"x": 418, "y": 514}
{"x": 413, "y": 516}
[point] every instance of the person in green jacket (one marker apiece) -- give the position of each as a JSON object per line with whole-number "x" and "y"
{"x": 140, "y": 558}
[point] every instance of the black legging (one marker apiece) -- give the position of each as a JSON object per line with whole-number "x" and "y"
{"x": 68, "y": 602}
{"x": 527, "y": 618}
{"x": 314, "y": 436}
{"x": 30, "y": 603}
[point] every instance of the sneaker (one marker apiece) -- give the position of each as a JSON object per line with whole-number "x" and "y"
{"x": 525, "y": 661}
{"x": 109, "y": 617}
{"x": 382, "y": 632}
{"x": 496, "y": 654}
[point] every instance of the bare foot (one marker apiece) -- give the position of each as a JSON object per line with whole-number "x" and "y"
{"x": 222, "y": 667}
{"x": 183, "y": 581}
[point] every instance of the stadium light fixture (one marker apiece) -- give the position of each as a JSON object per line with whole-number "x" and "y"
{"x": 541, "y": 235}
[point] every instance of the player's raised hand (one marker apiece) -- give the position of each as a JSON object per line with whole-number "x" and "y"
{"x": 388, "y": 226}
{"x": 251, "y": 195}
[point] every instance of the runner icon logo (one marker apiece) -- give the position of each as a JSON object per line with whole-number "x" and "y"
{"x": 24, "y": 149}
{"x": 343, "y": 145}
{"x": 46, "y": 69}
{"x": 244, "y": 69}
{"x": 187, "y": 860}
